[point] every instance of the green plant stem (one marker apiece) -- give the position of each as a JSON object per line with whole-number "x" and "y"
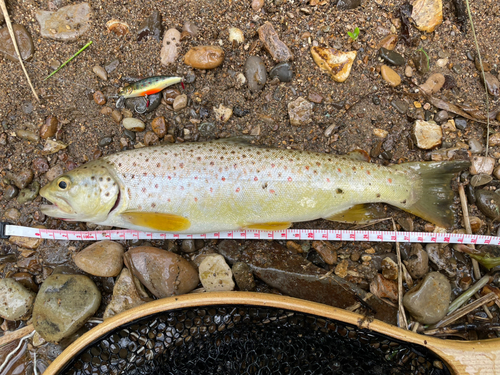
{"x": 464, "y": 297}
{"x": 67, "y": 61}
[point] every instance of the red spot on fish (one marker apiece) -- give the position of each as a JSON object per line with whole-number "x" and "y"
{"x": 156, "y": 186}
{"x": 390, "y": 180}
{"x": 168, "y": 200}
{"x": 307, "y": 167}
{"x": 144, "y": 190}
{"x": 368, "y": 172}
{"x": 211, "y": 190}
{"x": 182, "y": 187}
{"x": 327, "y": 180}
{"x": 271, "y": 191}
{"x": 169, "y": 177}
{"x": 195, "y": 177}
{"x": 272, "y": 165}
{"x": 289, "y": 179}
{"x": 238, "y": 190}
{"x": 196, "y": 199}
{"x": 158, "y": 165}
{"x": 338, "y": 169}
{"x": 223, "y": 178}
{"x": 181, "y": 165}
{"x": 256, "y": 179}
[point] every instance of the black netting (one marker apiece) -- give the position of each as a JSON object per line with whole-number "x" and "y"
{"x": 248, "y": 340}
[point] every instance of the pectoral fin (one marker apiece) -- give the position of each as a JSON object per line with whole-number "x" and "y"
{"x": 269, "y": 226}
{"x": 359, "y": 214}
{"x": 157, "y": 221}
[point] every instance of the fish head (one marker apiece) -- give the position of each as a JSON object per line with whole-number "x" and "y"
{"x": 88, "y": 193}
{"x": 126, "y": 91}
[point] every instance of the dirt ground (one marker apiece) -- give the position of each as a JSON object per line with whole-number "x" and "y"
{"x": 344, "y": 120}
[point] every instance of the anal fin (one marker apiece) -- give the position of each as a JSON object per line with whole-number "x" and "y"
{"x": 269, "y": 226}
{"x": 157, "y": 221}
{"x": 359, "y": 214}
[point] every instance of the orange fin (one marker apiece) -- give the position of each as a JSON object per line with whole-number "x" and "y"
{"x": 358, "y": 154}
{"x": 157, "y": 221}
{"x": 359, "y": 214}
{"x": 269, "y": 226}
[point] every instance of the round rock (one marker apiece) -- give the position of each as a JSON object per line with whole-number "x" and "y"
{"x": 390, "y": 76}
{"x": 283, "y": 71}
{"x": 255, "y": 73}
{"x": 204, "y": 57}
{"x": 103, "y": 258}
{"x": 16, "y": 301}
{"x": 133, "y": 124}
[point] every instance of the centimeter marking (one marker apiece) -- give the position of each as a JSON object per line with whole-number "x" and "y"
{"x": 289, "y": 234}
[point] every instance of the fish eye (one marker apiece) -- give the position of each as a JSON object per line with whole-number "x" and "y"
{"x": 63, "y": 183}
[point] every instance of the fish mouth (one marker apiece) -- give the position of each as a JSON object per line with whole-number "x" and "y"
{"x": 60, "y": 208}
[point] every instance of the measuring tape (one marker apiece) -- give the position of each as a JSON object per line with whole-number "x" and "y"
{"x": 7, "y": 230}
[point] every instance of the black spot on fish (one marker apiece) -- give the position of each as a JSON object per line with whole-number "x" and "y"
{"x": 339, "y": 191}
{"x": 100, "y": 178}
{"x": 378, "y": 195}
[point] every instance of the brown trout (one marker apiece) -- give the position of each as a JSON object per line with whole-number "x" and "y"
{"x": 228, "y": 185}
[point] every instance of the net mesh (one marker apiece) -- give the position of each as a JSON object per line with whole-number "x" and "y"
{"x": 248, "y": 340}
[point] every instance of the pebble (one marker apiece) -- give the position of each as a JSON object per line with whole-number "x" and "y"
{"x": 138, "y": 102}
{"x": 441, "y": 117}
{"x": 26, "y": 280}
{"x": 420, "y": 60}
{"x": 272, "y": 43}
{"x": 243, "y": 276}
{"x": 63, "y": 305}
{"x": 10, "y": 192}
{"x": 180, "y": 102}
{"x": 442, "y": 257}
{"x": 24, "y": 43}
{"x": 300, "y": 111}
{"x": 190, "y": 28}
{"x": 99, "y": 98}
{"x": 236, "y": 35}
{"x": 188, "y": 246}
{"x": 204, "y": 57}
{"x": 159, "y": 126}
{"x": 28, "y": 135}
{"x": 103, "y": 259}
{"x": 492, "y": 83}
{"x": 67, "y": 24}
{"x": 489, "y": 203}
{"x": 482, "y": 164}
{"x": 348, "y": 4}
{"x": 428, "y": 302}
{"x": 130, "y": 134}
{"x": 326, "y": 250}
{"x": 21, "y": 179}
{"x": 417, "y": 263}
{"x": 206, "y": 129}
{"x": 494, "y": 139}
{"x": 150, "y": 138}
{"x": 100, "y": 72}
{"x": 26, "y": 242}
{"x": 255, "y": 73}
{"x": 400, "y": 105}
{"x": 118, "y": 27}
{"x": 215, "y": 274}
{"x": 112, "y": 65}
{"x": 116, "y": 115}
{"x": 162, "y": 272}
{"x": 283, "y": 71}
{"x": 170, "y": 47}
{"x": 384, "y": 288}
{"x": 480, "y": 180}
{"x": 433, "y": 84}
{"x": 49, "y": 128}
{"x": 408, "y": 71}
{"x": 389, "y": 42}
{"x": 222, "y": 113}
{"x": 338, "y": 64}
{"x": 169, "y": 95}
{"x": 427, "y": 14}
{"x": 476, "y": 147}
{"x": 125, "y": 295}
{"x": 389, "y": 269}
{"x": 54, "y": 172}
{"x": 151, "y": 26}
{"x": 11, "y": 215}
{"x": 441, "y": 63}
{"x": 427, "y": 134}
{"x": 390, "y": 76}
{"x": 51, "y": 147}
{"x": 29, "y": 194}
{"x": 460, "y": 123}
{"x": 16, "y": 301}
{"x": 496, "y": 172}
{"x": 133, "y": 124}
{"x": 391, "y": 57}
{"x": 485, "y": 60}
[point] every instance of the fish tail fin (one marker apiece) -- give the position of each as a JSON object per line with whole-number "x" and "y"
{"x": 431, "y": 188}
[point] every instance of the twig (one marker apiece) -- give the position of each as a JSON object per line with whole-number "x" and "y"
{"x": 15, "y": 335}
{"x": 14, "y": 42}
{"x": 67, "y": 61}
{"x": 485, "y": 308}
{"x": 13, "y": 352}
{"x": 464, "y": 297}
{"x": 402, "y": 322}
{"x": 465, "y": 212}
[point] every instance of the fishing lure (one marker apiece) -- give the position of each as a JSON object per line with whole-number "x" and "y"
{"x": 146, "y": 87}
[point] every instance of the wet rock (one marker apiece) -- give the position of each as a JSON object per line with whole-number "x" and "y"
{"x": 400, "y": 105}
{"x": 10, "y": 192}
{"x": 326, "y": 250}
{"x": 482, "y": 164}
{"x": 236, "y": 35}
{"x": 54, "y": 172}
{"x": 384, "y": 288}
{"x": 162, "y": 272}
{"x": 428, "y": 302}
{"x": 29, "y": 194}
{"x": 494, "y": 140}
{"x": 118, "y": 27}
{"x": 49, "y": 129}
{"x": 170, "y": 47}
{"x": 243, "y": 276}
{"x": 68, "y": 23}
{"x": 188, "y": 246}
{"x": 51, "y": 147}
{"x": 485, "y": 59}
{"x": 389, "y": 269}
{"x": 338, "y": 64}
{"x": 278, "y": 50}
{"x": 489, "y": 203}
{"x": 12, "y": 215}
{"x": 492, "y": 83}
{"x": 180, "y": 102}
{"x": 151, "y": 26}
{"x": 389, "y": 42}
{"x": 441, "y": 116}
{"x": 442, "y": 257}
{"x": 348, "y": 4}
{"x": 315, "y": 97}
{"x": 63, "y": 305}
{"x": 476, "y": 147}
{"x": 255, "y": 73}
{"x": 100, "y": 72}
{"x": 433, "y": 84}
{"x": 215, "y": 274}
{"x": 380, "y": 133}
{"x": 204, "y": 57}
{"x": 99, "y": 98}
{"x": 16, "y": 302}
{"x": 391, "y": 57}
{"x": 427, "y": 134}
{"x": 112, "y": 65}
{"x": 427, "y": 14}
{"x": 222, "y": 113}
{"x": 421, "y": 61}
{"x": 26, "y": 242}
{"x": 390, "y": 76}
{"x": 283, "y": 71}
{"x": 21, "y": 179}
{"x": 190, "y": 28}
{"x": 28, "y": 135}
{"x": 24, "y": 43}
{"x": 257, "y": 5}
{"x": 150, "y": 139}
{"x": 300, "y": 111}
{"x": 480, "y": 180}
{"x": 26, "y": 280}
{"x": 125, "y": 295}
{"x": 133, "y": 124}
{"x": 159, "y": 126}
{"x": 417, "y": 263}
{"x": 103, "y": 258}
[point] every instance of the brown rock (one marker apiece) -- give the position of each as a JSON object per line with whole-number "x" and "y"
{"x": 169, "y": 95}
{"x": 326, "y": 250}
{"x": 427, "y": 14}
{"x": 390, "y": 76}
{"x": 383, "y": 288}
{"x": 99, "y": 98}
{"x": 300, "y": 111}
{"x": 150, "y": 138}
{"x": 26, "y": 242}
{"x": 337, "y": 64}
{"x": 49, "y": 129}
{"x": 24, "y": 43}
{"x": 118, "y": 27}
{"x": 278, "y": 50}
{"x": 117, "y": 116}
{"x": 162, "y": 272}
{"x": 433, "y": 83}
{"x": 389, "y": 42}
{"x": 103, "y": 258}
{"x": 482, "y": 164}
{"x": 180, "y": 102}
{"x": 159, "y": 126}
{"x": 204, "y": 57}
{"x": 492, "y": 83}
{"x": 257, "y": 5}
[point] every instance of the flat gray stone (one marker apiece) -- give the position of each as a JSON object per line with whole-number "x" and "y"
{"x": 68, "y": 23}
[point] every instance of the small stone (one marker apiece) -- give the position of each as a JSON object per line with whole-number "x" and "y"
{"x": 441, "y": 117}
{"x": 389, "y": 269}
{"x": 427, "y": 134}
{"x": 24, "y": 43}
{"x": 28, "y": 135}
{"x": 481, "y": 164}
{"x": 16, "y": 302}
{"x": 10, "y": 192}
{"x": 99, "y": 98}
{"x": 159, "y": 126}
{"x": 283, "y": 71}
{"x": 391, "y": 57}
{"x": 29, "y": 194}
{"x": 180, "y": 102}
{"x": 427, "y": 14}
{"x": 428, "y": 302}
{"x": 257, "y": 5}
{"x": 21, "y": 179}
{"x": 188, "y": 246}
{"x": 380, "y": 133}
{"x": 341, "y": 268}
{"x": 190, "y": 28}
{"x": 236, "y": 35}
{"x": 150, "y": 139}
{"x": 243, "y": 276}
{"x": 222, "y": 113}
{"x": 133, "y": 124}
{"x": 118, "y": 27}
{"x": 496, "y": 172}
{"x": 26, "y": 242}
{"x": 489, "y": 203}
{"x": 460, "y": 123}
{"x": 408, "y": 71}
{"x": 480, "y": 180}
{"x": 63, "y": 305}
{"x": 441, "y": 63}
{"x": 170, "y": 47}
{"x": 484, "y": 60}
{"x": 103, "y": 259}
{"x": 151, "y": 26}
{"x": 476, "y": 147}
{"x": 433, "y": 84}
{"x": 390, "y": 76}
{"x": 112, "y": 65}
{"x": 348, "y": 4}
{"x": 51, "y": 147}
{"x": 389, "y": 42}
{"x": 255, "y": 72}
{"x": 492, "y": 83}
{"x": 326, "y": 250}
{"x": 384, "y": 288}
{"x": 100, "y": 72}
{"x": 338, "y": 64}
{"x": 68, "y": 23}
{"x": 417, "y": 263}
{"x": 11, "y": 215}
{"x": 300, "y": 112}
{"x": 400, "y": 105}
{"x": 315, "y": 97}
{"x": 278, "y": 50}
{"x": 215, "y": 274}
{"x": 449, "y": 126}
{"x": 421, "y": 61}
{"x": 204, "y": 57}
{"x": 441, "y": 256}
{"x": 49, "y": 129}
{"x": 54, "y": 172}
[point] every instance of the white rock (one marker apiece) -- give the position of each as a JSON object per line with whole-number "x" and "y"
{"x": 236, "y": 35}
{"x": 482, "y": 164}
{"x": 180, "y": 102}
{"x": 169, "y": 49}
{"x": 223, "y": 113}
{"x": 16, "y": 302}
{"x": 133, "y": 124}
{"x": 100, "y": 72}
{"x": 441, "y": 63}
{"x": 240, "y": 80}
{"x": 380, "y": 133}
{"x": 215, "y": 274}
{"x": 427, "y": 134}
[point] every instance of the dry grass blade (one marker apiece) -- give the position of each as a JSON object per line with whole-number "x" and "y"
{"x": 465, "y": 212}
{"x": 402, "y": 322}
{"x": 14, "y": 42}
